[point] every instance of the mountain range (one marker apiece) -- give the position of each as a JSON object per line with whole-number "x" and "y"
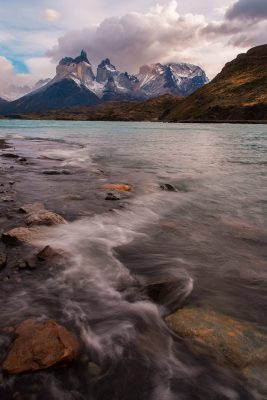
{"x": 76, "y": 84}
{"x": 237, "y": 93}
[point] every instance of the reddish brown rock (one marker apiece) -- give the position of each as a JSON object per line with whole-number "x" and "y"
{"x": 40, "y": 345}
{"x": 17, "y": 236}
{"x": 118, "y": 186}
{"x": 46, "y": 253}
{"x": 44, "y": 217}
{"x": 226, "y": 338}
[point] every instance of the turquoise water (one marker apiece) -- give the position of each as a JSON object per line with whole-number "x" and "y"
{"x": 210, "y": 236}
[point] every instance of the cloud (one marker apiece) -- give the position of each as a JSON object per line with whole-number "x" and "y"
{"x": 134, "y": 38}
{"x": 14, "y": 85}
{"x": 248, "y": 9}
{"x": 51, "y": 15}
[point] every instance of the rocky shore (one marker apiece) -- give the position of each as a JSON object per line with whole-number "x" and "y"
{"x": 38, "y": 194}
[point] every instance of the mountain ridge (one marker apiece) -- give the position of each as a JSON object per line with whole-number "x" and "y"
{"x": 238, "y": 92}
{"x": 107, "y": 84}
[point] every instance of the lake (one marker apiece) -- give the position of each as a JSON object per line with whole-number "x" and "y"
{"x": 209, "y": 236}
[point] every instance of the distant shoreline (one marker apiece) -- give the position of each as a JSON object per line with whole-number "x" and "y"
{"x": 28, "y": 118}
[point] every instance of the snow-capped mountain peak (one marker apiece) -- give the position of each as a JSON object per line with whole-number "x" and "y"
{"x": 105, "y": 70}
{"x": 76, "y": 84}
{"x": 175, "y": 78}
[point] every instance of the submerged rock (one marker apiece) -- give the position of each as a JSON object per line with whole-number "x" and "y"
{"x": 112, "y": 196}
{"x": 121, "y": 187}
{"x": 17, "y": 236}
{"x": 226, "y": 338}
{"x": 10, "y": 155}
{"x": 32, "y": 207}
{"x": 44, "y": 217}
{"x": 40, "y": 345}
{"x": 94, "y": 369}
{"x": 57, "y": 172}
{"x": 168, "y": 187}
{"x": 3, "y": 260}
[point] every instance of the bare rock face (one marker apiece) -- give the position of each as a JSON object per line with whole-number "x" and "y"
{"x": 44, "y": 217}
{"x": 17, "y": 236}
{"x": 40, "y": 345}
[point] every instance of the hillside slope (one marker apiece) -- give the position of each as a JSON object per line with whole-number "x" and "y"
{"x": 238, "y": 92}
{"x": 149, "y": 110}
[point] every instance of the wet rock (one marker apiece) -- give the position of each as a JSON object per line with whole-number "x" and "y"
{"x": 22, "y": 265}
{"x": 73, "y": 197}
{"x": 168, "y": 291}
{"x": 7, "y": 199}
{"x": 94, "y": 369}
{"x": 121, "y": 187}
{"x": 244, "y": 230}
{"x": 10, "y": 155}
{"x": 51, "y": 172}
{"x": 40, "y": 345}
{"x": 3, "y": 260}
{"x": 226, "y": 338}
{"x": 56, "y": 172}
{"x": 46, "y": 253}
{"x": 44, "y": 217}
{"x": 112, "y": 196}
{"x": 32, "y": 207}
{"x": 11, "y": 183}
{"x": 168, "y": 187}
{"x": 17, "y": 236}
{"x": 31, "y": 263}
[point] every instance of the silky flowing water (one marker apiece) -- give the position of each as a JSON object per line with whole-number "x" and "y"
{"x": 209, "y": 237}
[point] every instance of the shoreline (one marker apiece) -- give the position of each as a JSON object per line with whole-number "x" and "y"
{"x": 234, "y": 122}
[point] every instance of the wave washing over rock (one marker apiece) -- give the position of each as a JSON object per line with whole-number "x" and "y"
{"x": 145, "y": 294}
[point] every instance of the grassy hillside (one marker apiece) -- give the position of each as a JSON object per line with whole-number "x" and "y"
{"x": 238, "y": 92}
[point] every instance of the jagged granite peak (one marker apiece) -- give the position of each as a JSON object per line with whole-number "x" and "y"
{"x": 69, "y": 60}
{"x": 78, "y": 69}
{"x": 104, "y": 70}
{"x": 175, "y": 78}
{"x": 76, "y": 84}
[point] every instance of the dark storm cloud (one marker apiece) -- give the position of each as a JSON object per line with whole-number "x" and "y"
{"x": 248, "y": 9}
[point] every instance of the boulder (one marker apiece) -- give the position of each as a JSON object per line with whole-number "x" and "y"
{"x": 40, "y": 345}
{"x": 227, "y": 339}
{"x": 46, "y": 253}
{"x": 44, "y": 217}
{"x": 32, "y": 207}
{"x": 17, "y": 236}
{"x": 118, "y": 186}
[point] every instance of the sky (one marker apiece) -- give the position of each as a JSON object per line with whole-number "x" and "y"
{"x": 36, "y": 34}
